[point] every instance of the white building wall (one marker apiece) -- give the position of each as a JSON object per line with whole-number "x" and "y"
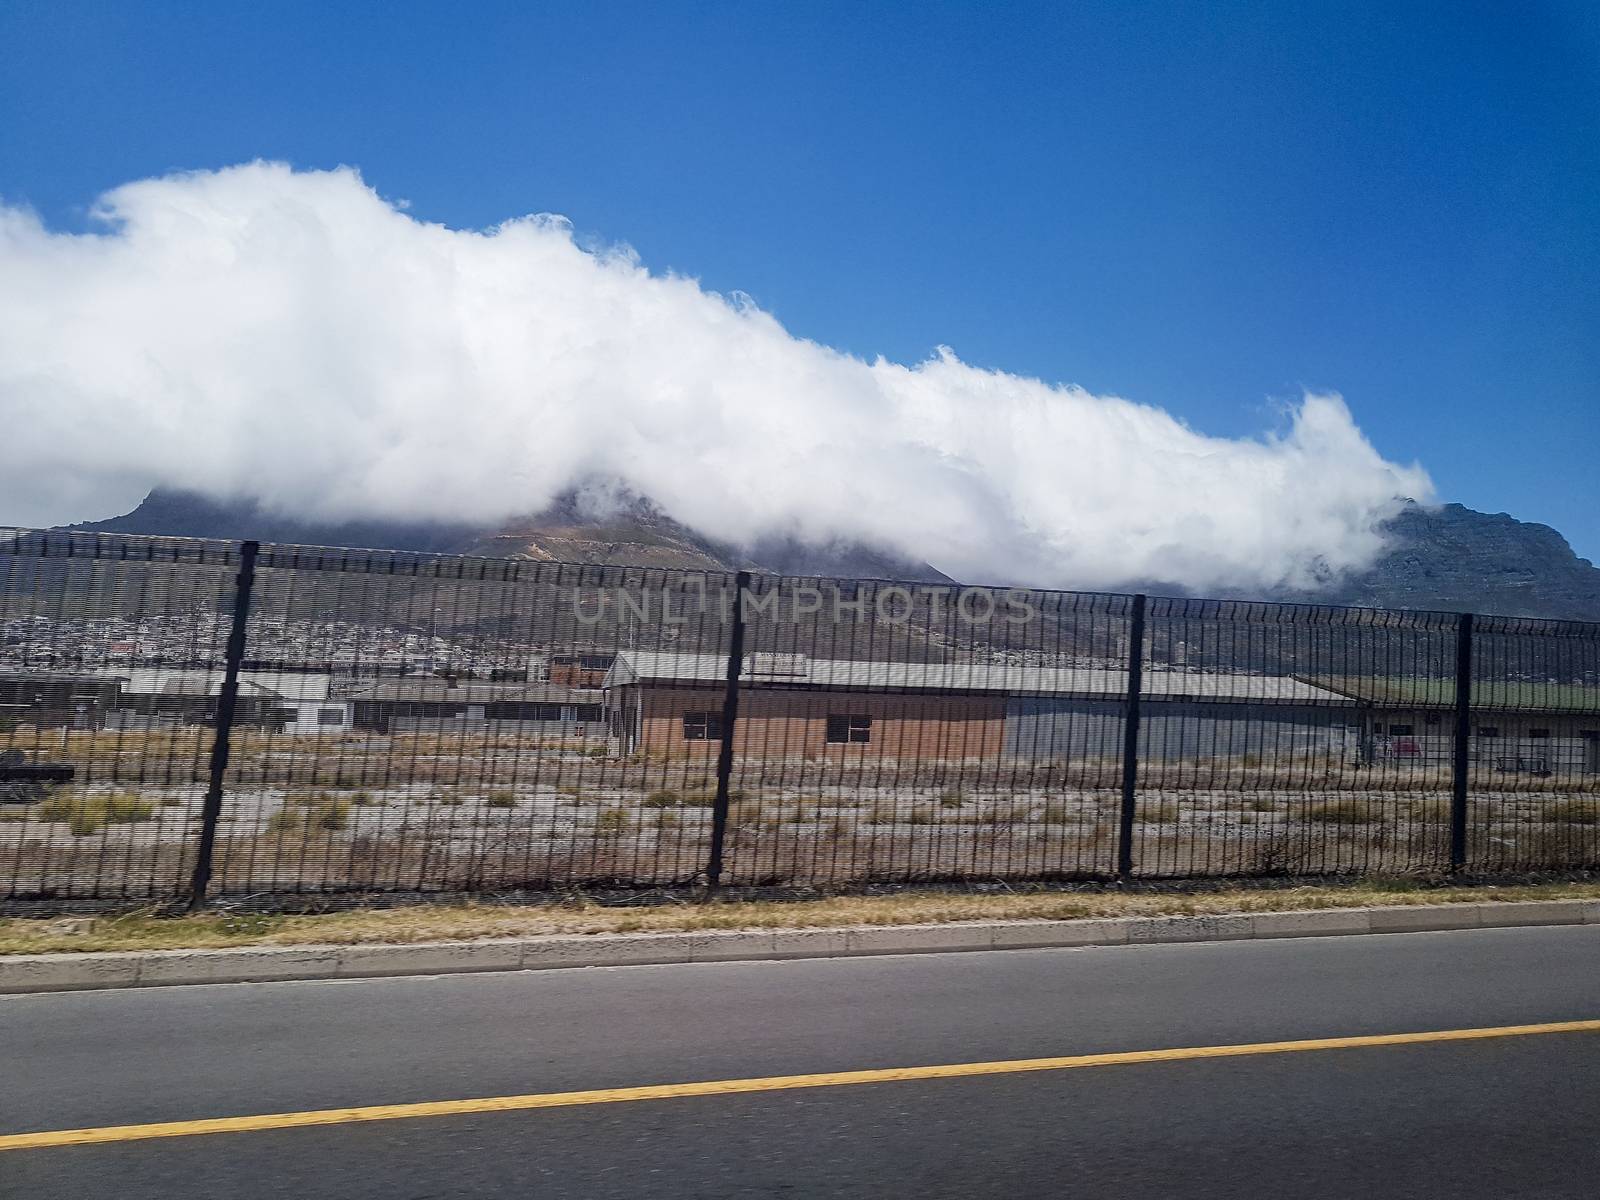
{"x": 321, "y": 716}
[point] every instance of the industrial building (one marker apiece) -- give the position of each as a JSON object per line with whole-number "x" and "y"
{"x": 455, "y": 706}
{"x": 792, "y": 706}
{"x": 291, "y": 702}
{"x": 1518, "y": 726}
{"x": 48, "y": 700}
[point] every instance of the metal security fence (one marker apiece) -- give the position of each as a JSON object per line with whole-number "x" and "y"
{"x": 183, "y": 719}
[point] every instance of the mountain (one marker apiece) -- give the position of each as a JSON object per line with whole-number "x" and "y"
{"x": 576, "y": 528}
{"x": 1456, "y": 559}
{"x": 624, "y": 532}
{"x": 171, "y": 513}
{"x": 1449, "y": 558}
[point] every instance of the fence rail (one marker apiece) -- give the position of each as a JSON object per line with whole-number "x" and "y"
{"x": 182, "y": 719}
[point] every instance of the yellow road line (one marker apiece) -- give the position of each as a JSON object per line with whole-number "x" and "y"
{"x": 727, "y": 1087}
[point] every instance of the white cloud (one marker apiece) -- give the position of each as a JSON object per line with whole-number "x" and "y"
{"x": 294, "y": 337}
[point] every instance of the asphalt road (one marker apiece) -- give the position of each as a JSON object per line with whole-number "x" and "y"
{"x": 1501, "y": 1117}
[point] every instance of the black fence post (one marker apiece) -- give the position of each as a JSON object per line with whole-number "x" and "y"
{"x": 1458, "y": 797}
{"x": 1130, "y": 740}
{"x": 730, "y": 714}
{"x": 227, "y": 701}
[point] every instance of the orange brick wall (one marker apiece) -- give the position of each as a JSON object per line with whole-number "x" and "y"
{"x": 573, "y": 676}
{"x": 790, "y": 723}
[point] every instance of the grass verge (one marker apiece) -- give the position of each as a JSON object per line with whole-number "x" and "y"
{"x": 144, "y": 930}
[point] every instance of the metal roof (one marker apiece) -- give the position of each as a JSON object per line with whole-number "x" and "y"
{"x": 1498, "y": 695}
{"x": 468, "y": 691}
{"x": 164, "y": 681}
{"x": 634, "y": 666}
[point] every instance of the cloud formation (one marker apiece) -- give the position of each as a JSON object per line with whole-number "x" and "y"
{"x": 292, "y": 337}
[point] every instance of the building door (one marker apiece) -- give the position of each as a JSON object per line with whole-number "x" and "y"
{"x": 1591, "y": 750}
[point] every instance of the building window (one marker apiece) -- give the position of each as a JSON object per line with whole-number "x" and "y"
{"x": 330, "y": 716}
{"x": 843, "y": 729}
{"x": 1488, "y": 731}
{"x": 1401, "y": 730}
{"x": 702, "y": 727}
{"x": 1538, "y": 733}
{"x": 584, "y": 662}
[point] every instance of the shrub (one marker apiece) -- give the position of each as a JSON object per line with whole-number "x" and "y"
{"x": 611, "y": 822}
{"x": 331, "y": 816}
{"x": 86, "y": 814}
{"x": 501, "y": 799}
{"x": 1432, "y": 811}
{"x": 1347, "y": 811}
{"x": 286, "y": 820}
{"x": 362, "y": 799}
{"x": 1574, "y": 812}
{"x": 1162, "y": 812}
{"x": 952, "y": 798}
{"x": 1009, "y": 814}
{"x": 665, "y": 798}
{"x": 124, "y": 808}
{"x": 320, "y": 813}
{"x": 1055, "y": 813}
{"x": 1277, "y": 855}
{"x": 597, "y": 752}
{"x": 60, "y": 806}
{"x": 327, "y": 813}
{"x": 920, "y": 815}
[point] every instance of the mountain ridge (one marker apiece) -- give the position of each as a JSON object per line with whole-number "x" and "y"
{"x": 1448, "y": 557}
{"x": 575, "y": 528}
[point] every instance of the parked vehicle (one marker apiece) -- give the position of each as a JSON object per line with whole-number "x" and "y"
{"x": 24, "y": 782}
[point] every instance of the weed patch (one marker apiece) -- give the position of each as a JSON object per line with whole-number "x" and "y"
{"x": 86, "y": 813}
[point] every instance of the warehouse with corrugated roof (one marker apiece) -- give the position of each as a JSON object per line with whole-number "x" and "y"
{"x": 793, "y": 706}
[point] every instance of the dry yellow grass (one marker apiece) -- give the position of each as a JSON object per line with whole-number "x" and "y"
{"x": 146, "y": 931}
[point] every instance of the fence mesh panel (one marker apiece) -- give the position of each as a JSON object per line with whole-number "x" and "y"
{"x": 1534, "y": 774}
{"x": 110, "y": 663}
{"x": 412, "y": 723}
{"x": 440, "y": 725}
{"x": 1260, "y": 754}
{"x": 911, "y": 732}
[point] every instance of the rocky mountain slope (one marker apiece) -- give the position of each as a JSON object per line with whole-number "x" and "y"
{"x": 1450, "y": 558}
{"x": 1456, "y": 559}
{"x": 574, "y": 529}
{"x": 170, "y": 513}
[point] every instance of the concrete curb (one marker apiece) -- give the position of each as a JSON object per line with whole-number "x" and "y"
{"x": 165, "y": 968}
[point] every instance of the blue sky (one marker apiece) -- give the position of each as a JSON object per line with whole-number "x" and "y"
{"x": 1204, "y": 207}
